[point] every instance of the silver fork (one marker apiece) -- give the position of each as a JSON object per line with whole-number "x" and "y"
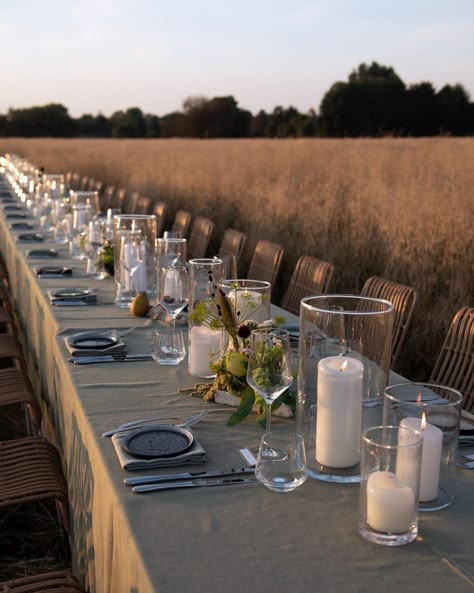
{"x": 141, "y": 423}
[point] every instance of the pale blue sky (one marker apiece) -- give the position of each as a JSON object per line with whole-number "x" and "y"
{"x": 106, "y": 55}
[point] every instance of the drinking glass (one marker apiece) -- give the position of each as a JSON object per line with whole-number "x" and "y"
{"x": 269, "y": 366}
{"x": 287, "y": 471}
{"x": 171, "y": 252}
{"x": 168, "y": 347}
{"x": 132, "y": 251}
{"x": 173, "y": 290}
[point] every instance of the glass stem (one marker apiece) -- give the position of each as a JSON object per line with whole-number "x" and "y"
{"x": 269, "y": 417}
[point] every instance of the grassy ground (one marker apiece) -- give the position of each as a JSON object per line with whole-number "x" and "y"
{"x": 398, "y": 208}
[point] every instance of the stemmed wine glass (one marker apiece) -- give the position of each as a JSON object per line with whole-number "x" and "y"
{"x": 173, "y": 291}
{"x": 132, "y": 250}
{"x": 269, "y": 366}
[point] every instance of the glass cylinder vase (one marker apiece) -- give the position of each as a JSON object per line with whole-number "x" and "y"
{"x": 250, "y": 299}
{"x": 344, "y": 363}
{"x": 206, "y": 343}
{"x": 125, "y": 225}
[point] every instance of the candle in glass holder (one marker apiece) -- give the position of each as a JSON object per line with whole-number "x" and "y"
{"x": 391, "y": 504}
{"x": 339, "y": 411}
{"x": 205, "y": 345}
{"x": 430, "y": 457}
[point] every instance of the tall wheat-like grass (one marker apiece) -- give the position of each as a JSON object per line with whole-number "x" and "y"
{"x": 398, "y": 208}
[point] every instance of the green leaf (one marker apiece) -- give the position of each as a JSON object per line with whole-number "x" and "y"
{"x": 245, "y": 407}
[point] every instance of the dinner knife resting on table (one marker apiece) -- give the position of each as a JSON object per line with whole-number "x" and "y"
{"x": 213, "y": 473}
{"x": 197, "y": 483}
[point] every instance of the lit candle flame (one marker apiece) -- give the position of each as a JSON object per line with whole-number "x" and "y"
{"x": 343, "y": 368}
{"x": 423, "y": 421}
{"x": 419, "y": 398}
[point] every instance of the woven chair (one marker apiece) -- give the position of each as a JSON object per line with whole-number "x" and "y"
{"x": 181, "y": 223}
{"x": 311, "y": 277}
{"x": 10, "y": 351}
{"x": 159, "y": 210}
{"x": 143, "y": 205}
{"x": 120, "y": 199}
{"x": 15, "y": 390}
{"x": 68, "y": 178}
{"x": 233, "y": 243}
{"x": 75, "y": 181}
{"x": 84, "y": 183}
{"x": 454, "y": 366}
{"x": 98, "y": 187}
{"x": 403, "y": 299}
{"x": 107, "y": 198}
{"x": 60, "y": 581}
{"x": 90, "y": 184}
{"x": 30, "y": 471}
{"x": 132, "y": 202}
{"x": 200, "y": 237}
{"x": 266, "y": 261}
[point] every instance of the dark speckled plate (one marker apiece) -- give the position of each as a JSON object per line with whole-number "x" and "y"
{"x": 158, "y": 441}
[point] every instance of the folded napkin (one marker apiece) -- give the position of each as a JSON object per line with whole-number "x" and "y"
{"x": 94, "y": 343}
{"x": 195, "y": 455}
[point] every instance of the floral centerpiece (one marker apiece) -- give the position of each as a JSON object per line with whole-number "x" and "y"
{"x": 234, "y": 316}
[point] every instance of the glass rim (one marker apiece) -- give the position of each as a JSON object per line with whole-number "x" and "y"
{"x": 277, "y": 433}
{"x": 251, "y": 283}
{"x": 171, "y": 240}
{"x": 202, "y": 260}
{"x": 136, "y": 216}
{"x": 81, "y": 192}
{"x": 434, "y": 386}
{"x": 414, "y": 431}
{"x": 305, "y": 302}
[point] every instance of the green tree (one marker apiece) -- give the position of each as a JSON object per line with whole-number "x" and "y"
{"x": 422, "y": 113}
{"x": 93, "y": 126}
{"x": 455, "y": 111}
{"x": 128, "y": 124}
{"x": 48, "y": 120}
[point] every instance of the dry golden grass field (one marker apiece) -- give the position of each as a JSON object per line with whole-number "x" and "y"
{"x": 398, "y": 208}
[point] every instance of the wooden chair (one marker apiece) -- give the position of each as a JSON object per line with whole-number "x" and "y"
{"x": 132, "y": 202}
{"x": 181, "y": 223}
{"x": 107, "y": 198}
{"x": 311, "y": 277}
{"x": 233, "y": 243}
{"x": 266, "y": 261}
{"x": 143, "y": 205}
{"x": 60, "y": 581}
{"x": 98, "y": 187}
{"x": 90, "y": 184}
{"x": 403, "y": 299}
{"x": 159, "y": 210}
{"x": 75, "y": 181}
{"x": 200, "y": 237}
{"x": 30, "y": 471}
{"x": 454, "y": 366}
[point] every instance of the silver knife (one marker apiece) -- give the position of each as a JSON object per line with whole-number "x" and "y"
{"x": 108, "y": 358}
{"x": 199, "y": 482}
{"x": 215, "y": 473}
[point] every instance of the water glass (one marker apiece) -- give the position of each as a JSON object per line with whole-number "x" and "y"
{"x": 281, "y": 462}
{"x": 389, "y": 484}
{"x": 168, "y": 347}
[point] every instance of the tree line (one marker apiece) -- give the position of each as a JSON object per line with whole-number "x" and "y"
{"x": 374, "y": 101}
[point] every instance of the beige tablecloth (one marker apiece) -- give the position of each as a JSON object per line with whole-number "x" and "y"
{"x": 208, "y": 540}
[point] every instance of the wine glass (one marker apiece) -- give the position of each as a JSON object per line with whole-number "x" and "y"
{"x": 269, "y": 366}
{"x": 174, "y": 291}
{"x": 132, "y": 251}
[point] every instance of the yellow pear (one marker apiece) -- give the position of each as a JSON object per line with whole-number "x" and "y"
{"x": 140, "y": 305}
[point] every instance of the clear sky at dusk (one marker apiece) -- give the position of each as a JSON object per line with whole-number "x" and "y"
{"x": 106, "y": 55}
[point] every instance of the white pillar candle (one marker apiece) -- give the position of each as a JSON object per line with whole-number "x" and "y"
{"x": 391, "y": 504}
{"x": 339, "y": 411}
{"x": 205, "y": 345}
{"x": 250, "y": 304}
{"x": 430, "y": 457}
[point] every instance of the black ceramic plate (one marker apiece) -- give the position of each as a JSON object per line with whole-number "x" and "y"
{"x": 92, "y": 340}
{"x": 42, "y": 253}
{"x": 157, "y": 441}
{"x": 52, "y": 271}
{"x": 24, "y": 226}
{"x": 71, "y": 293}
{"x": 31, "y": 237}
{"x": 467, "y": 426}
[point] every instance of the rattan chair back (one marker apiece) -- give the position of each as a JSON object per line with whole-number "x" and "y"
{"x": 200, "y": 237}
{"x": 107, "y": 198}
{"x": 84, "y": 183}
{"x": 233, "y": 243}
{"x": 60, "y": 581}
{"x": 454, "y": 366}
{"x": 403, "y": 299}
{"x": 143, "y": 205}
{"x": 120, "y": 200}
{"x": 181, "y": 223}
{"x": 159, "y": 210}
{"x": 266, "y": 261}
{"x": 311, "y": 277}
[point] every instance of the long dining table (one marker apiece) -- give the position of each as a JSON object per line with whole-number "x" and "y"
{"x": 243, "y": 538}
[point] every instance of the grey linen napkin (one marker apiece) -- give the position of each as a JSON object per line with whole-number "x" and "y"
{"x": 196, "y": 455}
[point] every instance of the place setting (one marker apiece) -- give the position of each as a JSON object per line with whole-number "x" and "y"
{"x": 72, "y": 297}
